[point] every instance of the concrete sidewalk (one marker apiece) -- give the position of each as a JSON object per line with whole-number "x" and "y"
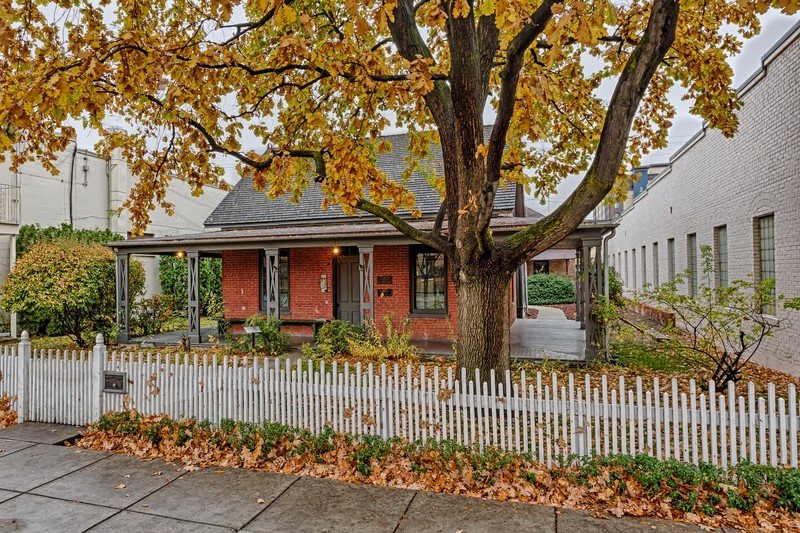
{"x": 46, "y": 487}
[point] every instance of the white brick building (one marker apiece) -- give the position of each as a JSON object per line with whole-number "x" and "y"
{"x": 86, "y": 193}
{"x": 720, "y": 191}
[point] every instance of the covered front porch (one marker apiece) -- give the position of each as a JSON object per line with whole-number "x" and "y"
{"x": 369, "y": 264}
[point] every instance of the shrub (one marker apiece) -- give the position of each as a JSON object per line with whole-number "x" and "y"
{"x": 720, "y": 328}
{"x": 149, "y": 315}
{"x": 67, "y": 288}
{"x": 375, "y": 347}
{"x": 615, "y": 288}
{"x": 271, "y": 341}
{"x": 333, "y": 338}
{"x": 32, "y": 234}
{"x": 547, "y": 289}
{"x": 173, "y": 272}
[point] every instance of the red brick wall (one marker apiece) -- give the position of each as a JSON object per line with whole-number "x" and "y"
{"x": 306, "y": 299}
{"x": 563, "y": 267}
{"x": 240, "y": 292}
{"x": 306, "y": 266}
{"x": 394, "y": 261}
{"x": 240, "y": 289}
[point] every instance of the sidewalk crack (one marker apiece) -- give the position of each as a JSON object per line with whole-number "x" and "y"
{"x": 402, "y": 516}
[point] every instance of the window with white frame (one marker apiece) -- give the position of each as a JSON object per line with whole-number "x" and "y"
{"x": 626, "y": 268}
{"x": 283, "y": 280}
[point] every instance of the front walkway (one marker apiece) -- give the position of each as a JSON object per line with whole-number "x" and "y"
{"x": 46, "y": 487}
{"x": 550, "y": 336}
{"x": 548, "y": 313}
{"x": 553, "y": 339}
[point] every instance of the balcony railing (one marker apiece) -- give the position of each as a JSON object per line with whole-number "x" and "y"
{"x": 9, "y": 204}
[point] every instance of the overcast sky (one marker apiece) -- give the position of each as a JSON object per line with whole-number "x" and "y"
{"x": 685, "y": 125}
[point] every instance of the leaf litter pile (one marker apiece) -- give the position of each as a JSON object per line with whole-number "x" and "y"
{"x": 747, "y": 497}
{"x": 8, "y": 416}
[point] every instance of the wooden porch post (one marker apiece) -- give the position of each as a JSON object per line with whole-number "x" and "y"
{"x": 272, "y": 288}
{"x": 123, "y": 295}
{"x": 365, "y": 267}
{"x": 579, "y": 274}
{"x": 590, "y": 252}
{"x": 193, "y": 296}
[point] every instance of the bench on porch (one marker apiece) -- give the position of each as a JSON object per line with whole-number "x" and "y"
{"x": 314, "y": 323}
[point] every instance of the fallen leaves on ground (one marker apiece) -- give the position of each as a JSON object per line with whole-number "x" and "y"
{"x": 602, "y": 486}
{"x": 8, "y": 416}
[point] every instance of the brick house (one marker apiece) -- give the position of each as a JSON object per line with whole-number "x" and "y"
{"x": 307, "y": 265}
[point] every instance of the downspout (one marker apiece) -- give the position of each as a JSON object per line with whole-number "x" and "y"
{"x": 108, "y": 192}
{"x": 607, "y": 237}
{"x": 72, "y": 181}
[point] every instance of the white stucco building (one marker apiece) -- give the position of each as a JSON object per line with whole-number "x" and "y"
{"x": 86, "y": 193}
{"x": 740, "y": 195}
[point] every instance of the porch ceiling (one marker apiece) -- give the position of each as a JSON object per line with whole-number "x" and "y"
{"x": 350, "y": 234}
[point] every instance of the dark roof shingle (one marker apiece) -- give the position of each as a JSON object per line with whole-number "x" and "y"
{"x": 245, "y": 206}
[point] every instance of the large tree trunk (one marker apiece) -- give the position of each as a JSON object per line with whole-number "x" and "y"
{"x": 484, "y": 303}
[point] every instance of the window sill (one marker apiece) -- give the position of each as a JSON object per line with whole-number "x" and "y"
{"x": 770, "y": 319}
{"x": 281, "y": 312}
{"x": 428, "y": 314}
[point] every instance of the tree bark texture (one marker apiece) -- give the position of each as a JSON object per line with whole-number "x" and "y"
{"x": 484, "y": 303}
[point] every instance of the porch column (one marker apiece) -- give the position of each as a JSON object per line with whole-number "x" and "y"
{"x": 272, "y": 289}
{"x": 193, "y": 296}
{"x": 590, "y": 252}
{"x": 12, "y": 260}
{"x": 365, "y": 267}
{"x": 522, "y": 290}
{"x": 123, "y": 304}
{"x": 579, "y": 276}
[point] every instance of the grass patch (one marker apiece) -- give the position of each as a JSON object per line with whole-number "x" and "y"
{"x": 648, "y": 357}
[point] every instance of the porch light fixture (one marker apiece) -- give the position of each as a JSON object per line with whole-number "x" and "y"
{"x": 335, "y": 250}
{"x": 180, "y": 254}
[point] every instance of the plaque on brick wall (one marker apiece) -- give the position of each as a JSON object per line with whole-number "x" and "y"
{"x": 384, "y": 292}
{"x": 384, "y": 280}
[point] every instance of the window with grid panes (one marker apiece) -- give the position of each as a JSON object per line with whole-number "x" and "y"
{"x": 721, "y": 255}
{"x": 691, "y": 263}
{"x": 765, "y": 255}
{"x": 655, "y": 263}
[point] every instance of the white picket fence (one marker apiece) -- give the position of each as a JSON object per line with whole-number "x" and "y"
{"x": 541, "y": 416}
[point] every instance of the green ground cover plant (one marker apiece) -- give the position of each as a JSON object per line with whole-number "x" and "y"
{"x": 746, "y": 496}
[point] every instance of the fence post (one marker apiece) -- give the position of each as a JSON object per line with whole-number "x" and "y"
{"x": 23, "y": 370}
{"x": 98, "y": 354}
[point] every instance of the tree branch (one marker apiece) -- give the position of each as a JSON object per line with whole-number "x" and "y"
{"x": 410, "y": 44}
{"x": 599, "y": 178}
{"x": 515, "y": 56}
{"x": 428, "y": 239}
{"x": 245, "y": 27}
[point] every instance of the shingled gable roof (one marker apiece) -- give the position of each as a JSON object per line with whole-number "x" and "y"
{"x": 244, "y": 206}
